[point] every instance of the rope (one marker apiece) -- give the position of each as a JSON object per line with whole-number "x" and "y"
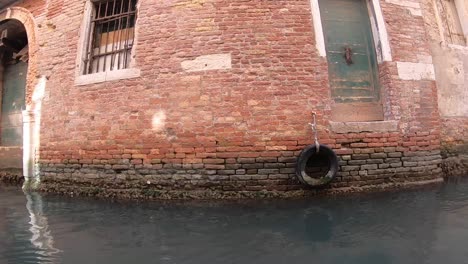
{"x": 314, "y": 130}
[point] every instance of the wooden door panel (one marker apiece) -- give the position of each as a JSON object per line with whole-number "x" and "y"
{"x": 338, "y": 33}
{"x": 346, "y": 25}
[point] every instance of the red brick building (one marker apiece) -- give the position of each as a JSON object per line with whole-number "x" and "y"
{"x": 214, "y": 98}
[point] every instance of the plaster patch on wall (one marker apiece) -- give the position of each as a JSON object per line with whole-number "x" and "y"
{"x": 415, "y": 71}
{"x": 451, "y": 68}
{"x": 455, "y": 71}
{"x": 158, "y": 121}
{"x": 413, "y": 7}
{"x": 208, "y": 62}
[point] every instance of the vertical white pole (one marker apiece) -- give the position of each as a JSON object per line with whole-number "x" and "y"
{"x": 28, "y": 147}
{"x": 318, "y": 29}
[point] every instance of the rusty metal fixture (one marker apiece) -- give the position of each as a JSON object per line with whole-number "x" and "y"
{"x": 348, "y": 55}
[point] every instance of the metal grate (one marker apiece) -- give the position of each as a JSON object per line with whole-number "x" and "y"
{"x": 111, "y": 36}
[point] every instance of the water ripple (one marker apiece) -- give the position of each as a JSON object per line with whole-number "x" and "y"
{"x": 423, "y": 226}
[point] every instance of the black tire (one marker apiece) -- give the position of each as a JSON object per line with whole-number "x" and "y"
{"x": 310, "y": 152}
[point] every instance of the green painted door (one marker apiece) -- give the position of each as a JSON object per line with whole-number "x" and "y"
{"x": 352, "y": 63}
{"x": 13, "y": 102}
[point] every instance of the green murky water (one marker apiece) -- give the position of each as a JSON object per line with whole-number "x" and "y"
{"x": 423, "y": 226}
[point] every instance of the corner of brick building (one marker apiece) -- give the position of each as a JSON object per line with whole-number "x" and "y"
{"x": 450, "y": 63}
{"x": 229, "y": 130}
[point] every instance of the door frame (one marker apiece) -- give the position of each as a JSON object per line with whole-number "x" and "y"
{"x": 379, "y": 30}
{"x": 361, "y": 111}
{"x": 34, "y": 91}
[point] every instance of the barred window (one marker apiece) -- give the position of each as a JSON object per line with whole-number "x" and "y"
{"x": 111, "y": 35}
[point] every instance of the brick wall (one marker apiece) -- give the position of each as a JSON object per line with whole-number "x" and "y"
{"x": 455, "y": 146}
{"x": 451, "y": 70}
{"x": 231, "y": 129}
{"x": 11, "y": 164}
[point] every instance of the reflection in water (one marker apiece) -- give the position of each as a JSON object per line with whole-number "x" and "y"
{"x": 41, "y": 235}
{"x": 426, "y": 226}
{"x": 318, "y": 223}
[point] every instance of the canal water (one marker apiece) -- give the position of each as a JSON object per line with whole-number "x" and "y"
{"x": 429, "y": 225}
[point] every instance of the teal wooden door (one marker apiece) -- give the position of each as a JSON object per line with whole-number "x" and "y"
{"x": 351, "y": 56}
{"x": 13, "y": 102}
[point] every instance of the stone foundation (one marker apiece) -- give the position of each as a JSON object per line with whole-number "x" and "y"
{"x": 11, "y": 176}
{"x": 455, "y": 146}
{"x": 142, "y": 192}
{"x": 271, "y": 175}
{"x": 455, "y": 161}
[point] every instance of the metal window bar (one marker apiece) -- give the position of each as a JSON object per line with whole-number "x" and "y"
{"x": 111, "y": 36}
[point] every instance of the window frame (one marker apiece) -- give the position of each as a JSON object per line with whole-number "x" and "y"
{"x": 378, "y": 29}
{"x": 382, "y": 49}
{"x": 444, "y": 26}
{"x": 108, "y": 75}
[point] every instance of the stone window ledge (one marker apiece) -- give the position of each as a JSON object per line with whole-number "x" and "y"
{"x": 107, "y": 76}
{"x": 458, "y": 47}
{"x": 358, "y": 127}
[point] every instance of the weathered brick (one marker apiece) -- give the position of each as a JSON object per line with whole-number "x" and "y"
{"x": 357, "y": 162}
{"x": 252, "y": 166}
{"x": 266, "y": 159}
{"x": 375, "y": 161}
{"x": 392, "y": 160}
{"x": 278, "y": 176}
{"x": 268, "y": 171}
{"x": 274, "y": 165}
{"x": 226, "y": 172}
{"x": 346, "y": 157}
{"x": 241, "y": 171}
{"x": 287, "y": 170}
{"x": 384, "y": 166}
{"x": 369, "y": 167}
{"x": 214, "y": 167}
{"x": 396, "y": 164}
{"x": 245, "y": 117}
{"x": 360, "y": 156}
{"x": 395, "y": 154}
{"x": 349, "y": 168}
{"x": 246, "y": 160}
{"x": 410, "y": 164}
{"x": 287, "y": 159}
{"x": 378, "y": 155}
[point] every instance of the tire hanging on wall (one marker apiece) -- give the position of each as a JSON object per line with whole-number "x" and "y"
{"x": 308, "y": 154}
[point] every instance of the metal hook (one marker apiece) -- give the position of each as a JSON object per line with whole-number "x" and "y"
{"x": 348, "y": 55}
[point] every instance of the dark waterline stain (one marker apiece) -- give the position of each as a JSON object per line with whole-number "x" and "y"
{"x": 419, "y": 226}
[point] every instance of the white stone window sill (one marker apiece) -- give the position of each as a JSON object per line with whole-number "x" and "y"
{"x": 458, "y": 47}
{"x": 107, "y": 76}
{"x": 358, "y": 127}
